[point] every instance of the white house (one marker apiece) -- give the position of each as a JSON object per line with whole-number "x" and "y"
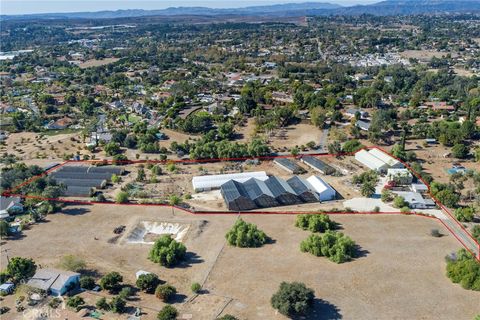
{"x": 416, "y": 200}
{"x": 56, "y": 282}
{"x": 210, "y": 182}
{"x": 324, "y": 190}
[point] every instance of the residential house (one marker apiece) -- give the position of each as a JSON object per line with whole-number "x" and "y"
{"x": 55, "y": 282}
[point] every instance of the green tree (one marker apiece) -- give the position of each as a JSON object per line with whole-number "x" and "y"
{"x": 352, "y": 146}
{"x": 167, "y": 313}
{"x": 464, "y": 269}
{"x": 117, "y": 305}
{"x": 167, "y": 252}
{"x": 293, "y": 298}
{"x": 4, "y": 229}
{"x": 19, "y": 268}
{"x": 75, "y": 302}
{"x": 460, "y": 151}
{"x": 245, "y": 235}
{"x": 112, "y": 149}
{"x": 87, "y": 282}
{"x": 399, "y": 202}
{"x": 367, "y": 189}
{"x": 315, "y": 222}
{"x": 102, "y": 304}
{"x": 196, "y": 287}
{"x": 464, "y": 214}
{"x": 111, "y": 281}
{"x": 476, "y": 232}
{"x": 334, "y": 245}
{"x": 165, "y": 292}
{"x": 148, "y": 282}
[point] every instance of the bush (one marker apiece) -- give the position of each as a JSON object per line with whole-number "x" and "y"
{"x": 102, "y": 304}
{"x": 476, "y": 232}
{"x": 72, "y": 263}
{"x": 245, "y": 235}
{"x": 167, "y": 252}
{"x": 75, "y": 302}
{"x": 292, "y": 298}
{"x": 167, "y": 313}
{"x": 367, "y": 189}
{"x": 148, "y": 282}
{"x": 115, "y": 178}
{"x": 165, "y": 292}
{"x": 399, "y": 202}
{"x": 460, "y": 151}
{"x": 315, "y": 222}
{"x": 87, "y": 282}
{"x": 196, "y": 287}
{"x": 465, "y": 270}
{"x": 387, "y": 195}
{"x": 352, "y": 146}
{"x": 55, "y": 303}
{"x": 227, "y": 317}
{"x": 334, "y": 245}
{"x": 117, "y": 305}
{"x": 122, "y": 197}
{"x": 464, "y": 214}
{"x": 111, "y": 281}
{"x": 435, "y": 233}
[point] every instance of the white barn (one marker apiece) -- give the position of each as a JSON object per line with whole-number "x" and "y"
{"x": 210, "y": 182}
{"x": 324, "y": 190}
{"x": 389, "y": 160}
{"x": 370, "y": 161}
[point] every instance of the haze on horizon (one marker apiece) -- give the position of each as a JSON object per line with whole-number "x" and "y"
{"x": 14, "y": 7}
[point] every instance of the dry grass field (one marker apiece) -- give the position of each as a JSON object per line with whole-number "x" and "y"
{"x": 97, "y": 63}
{"x": 399, "y": 275}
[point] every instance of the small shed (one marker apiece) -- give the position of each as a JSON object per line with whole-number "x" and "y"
{"x": 7, "y": 288}
{"x": 318, "y": 165}
{"x": 288, "y": 165}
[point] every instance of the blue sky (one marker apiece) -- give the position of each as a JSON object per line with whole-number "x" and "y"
{"x": 40, "y": 6}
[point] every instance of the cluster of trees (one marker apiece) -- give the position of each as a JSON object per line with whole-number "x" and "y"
{"x": 464, "y": 269}
{"x": 334, "y": 245}
{"x": 315, "y": 222}
{"x": 445, "y": 193}
{"x": 245, "y": 235}
{"x": 465, "y": 214}
{"x": 18, "y": 269}
{"x": 367, "y": 180}
{"x": 167, "y": 252}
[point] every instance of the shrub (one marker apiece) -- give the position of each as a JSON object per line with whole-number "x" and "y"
{"x": 87, "y": 282}
{"x": 465, "y": 270}
{"x": 367, "y": 189}
{"x": 117, "y": 305}
{"x": 55, "y": 303}
{"x": 464, "y": 214}
{"x": 399, "y": 202}
{"x": 387, "y": 195}
{"x": 165, "y": 292}
{"x": 227, "y": 317}
{"x": 245, "y": 235}
{"x": 167, "y": 252}
{"x": 122, "y": 197}
{"x": 292, "y": 298}
{"x": 148, "y": 282}
{"x": 111, "y": 281}
{"x": 102, "y": 304}
{"x": 116, "y": 178}
{"x": 196, "y": 287}
{"x": 167, "y": 313}
{"x": 435, "y": 233}
{"x": 334, "y": 245}
{"x": 476, "y": 232}
{"x": 315, "y": 222}
{"x": 72, "y": 263}
{"x": 75, "y": 302}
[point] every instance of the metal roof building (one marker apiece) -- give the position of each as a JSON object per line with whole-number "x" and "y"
{"x": 318, "y": 165}
{"x": 304, "y": 189}
{"x": 210, "y": 182}
{"x": 389, "y": 160}
{"x": 236, "y": 197}
{"x": 288, "y": 165}
{"x": 282, "y": 191}
{"x": 259, "y": 192}
{"x": 324, "y": 190}
{"x": 370, "y": 161}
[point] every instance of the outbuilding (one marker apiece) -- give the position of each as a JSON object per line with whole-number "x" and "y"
{"x": 304, "y": 189}
{"x": 236, "y": 197}
{"x": 370, "y": 161}
{"x": 211, "y": 182}
{"x": 324, "y": 190}
{"x": 55, "y": 282}
{"x": 317, "y": 165}
{"x": 259, "y": 192}
{"x": 282, "y": 191}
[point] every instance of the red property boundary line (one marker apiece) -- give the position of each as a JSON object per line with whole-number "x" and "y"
{"x": 12, "y": 191}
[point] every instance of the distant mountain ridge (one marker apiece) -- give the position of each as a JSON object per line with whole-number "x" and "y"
{"x": 383, "y": 8}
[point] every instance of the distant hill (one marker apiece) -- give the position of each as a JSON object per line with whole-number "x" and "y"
{"x": 388, "y": 7}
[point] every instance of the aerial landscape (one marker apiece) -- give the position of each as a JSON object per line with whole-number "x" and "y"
{"x": 212, "y": 160}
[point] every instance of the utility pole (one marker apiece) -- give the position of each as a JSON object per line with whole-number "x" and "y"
{"x": 6, "y": 252}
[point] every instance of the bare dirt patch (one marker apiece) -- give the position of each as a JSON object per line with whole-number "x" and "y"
{"x": 97, "y": 63}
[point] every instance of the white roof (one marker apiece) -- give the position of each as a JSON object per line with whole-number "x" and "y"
{"x": 370, "y": 160}
{"x": 215, "y": 181}
{"x": 45, "y": 279}
{"x": 384, "y": 157}
{"x": 319, "y": 185}
{"x": 398, "y": 171}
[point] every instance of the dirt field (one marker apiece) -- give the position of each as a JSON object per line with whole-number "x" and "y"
{"x": 297, "y": 135}
{"x": 97, "y": 63}
{"x": 424, "y": 55}
{"x": 400, "y": 274}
